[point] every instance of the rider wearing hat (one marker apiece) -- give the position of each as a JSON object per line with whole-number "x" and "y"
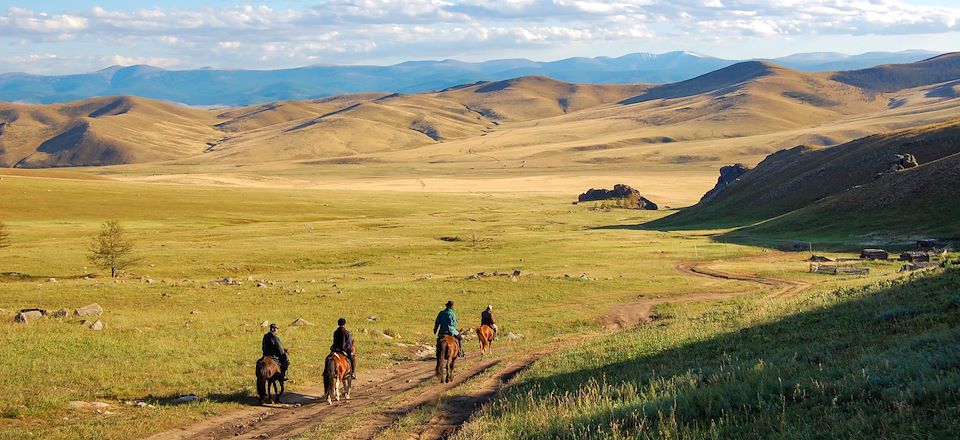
{"x": 343, "y": 343}
{"x": 486, "y": 318}
{"x": 446, "y": 324}
{"x": 273, "y": 348}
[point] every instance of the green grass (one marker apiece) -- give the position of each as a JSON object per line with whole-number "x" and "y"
{"x": 880, "y": 361}
{"x": 324, "y": 254}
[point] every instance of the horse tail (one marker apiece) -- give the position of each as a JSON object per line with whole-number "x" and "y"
{"x": 329, "y": 375}
{"x": 262, "y": 374}
{"x": 441, "y": 356}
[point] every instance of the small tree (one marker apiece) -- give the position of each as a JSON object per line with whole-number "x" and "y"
{"x": 112, "y": 249}
{"x": 4, "y": 236}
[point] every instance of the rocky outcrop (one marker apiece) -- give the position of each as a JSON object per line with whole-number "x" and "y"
{"x": 632, "y": 197}
{"x": 728, "y": 175}
{"x": 900, "y": 162}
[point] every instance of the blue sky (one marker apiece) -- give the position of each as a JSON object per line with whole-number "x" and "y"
{"x": 52, "y": 37}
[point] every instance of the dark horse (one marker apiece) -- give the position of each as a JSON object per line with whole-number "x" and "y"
{"x": 336, "y": 375}
{"x": 447, "y": 351}
{"x": 268, "y": 374}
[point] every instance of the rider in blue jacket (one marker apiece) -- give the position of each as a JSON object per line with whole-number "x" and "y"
{"x": 446, "y": 324}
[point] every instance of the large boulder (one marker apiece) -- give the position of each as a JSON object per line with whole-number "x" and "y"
{"x": 728, "y": 175}
{"x": 619, "y": 192}
{"x": 90, "y": 310}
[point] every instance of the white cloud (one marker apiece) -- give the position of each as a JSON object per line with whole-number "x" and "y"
{"x": 229, "y": 36}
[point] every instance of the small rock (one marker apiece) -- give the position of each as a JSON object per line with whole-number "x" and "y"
{"x": 513, "y": 336}
{"x": 51, "y": 280}
{"x": 62, "y": 313}
{"x": 97, "y": 325}
{"x": 90, "y": 310}
{"x": 149, "y": 281}
{"x": 372, "y": 318}
{"x": 261, "y": 285}
{"x": 186, "y": 399}
{"x": 195, "y": 312}
{"x": 28, "y": 315}
{"x": 250, "y": 278}
{"x": 300, "y": 321}
{"x": 265, "y": 324}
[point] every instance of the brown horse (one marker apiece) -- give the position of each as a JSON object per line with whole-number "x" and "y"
{"x": 485, "y": 335}
{"x": 336, "y": 373}
{"x": 268, "y": 374}
{"x": 447, "y": 351}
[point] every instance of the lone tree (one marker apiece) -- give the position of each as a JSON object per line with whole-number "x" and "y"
{"x": 112, "y": 249}
{"x": 4, "y": 236}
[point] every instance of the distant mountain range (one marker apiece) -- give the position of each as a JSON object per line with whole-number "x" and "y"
{"x": 244, "y": 87}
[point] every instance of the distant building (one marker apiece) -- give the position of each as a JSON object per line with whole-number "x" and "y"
{"x": 874, "y": 254}
{"x": 915, "y": 256}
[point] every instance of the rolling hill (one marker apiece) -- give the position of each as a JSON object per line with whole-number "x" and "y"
{"x": 737, "y": 113}
{"x": 101, "y": 131}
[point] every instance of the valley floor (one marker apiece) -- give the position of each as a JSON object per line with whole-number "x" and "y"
{"x": 387, "y": 261}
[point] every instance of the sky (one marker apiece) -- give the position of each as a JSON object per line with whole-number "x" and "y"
{"x": 76, "y": 36}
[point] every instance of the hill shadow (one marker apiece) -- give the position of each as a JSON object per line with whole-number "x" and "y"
{"x": 874, "y": 364}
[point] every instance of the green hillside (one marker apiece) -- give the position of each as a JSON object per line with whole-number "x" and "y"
{"x": 845, "y": 180}
{"x": 876, "y": 362}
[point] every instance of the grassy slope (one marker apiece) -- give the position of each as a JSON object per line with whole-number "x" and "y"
{"x": 793, "y": 179}
{"x": 874, "y": 362}
{"x": 915, "y": 203}
{"x": 327, "y": 254}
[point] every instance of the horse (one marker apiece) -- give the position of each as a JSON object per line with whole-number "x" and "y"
{"x": 485, "y": 335}
{"x": 447, "y": 351}
{"x": 336, "y": 373}
{"x": 268, "y": 374}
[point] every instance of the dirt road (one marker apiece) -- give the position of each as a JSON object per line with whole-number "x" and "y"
{"x": 304, "y": 409}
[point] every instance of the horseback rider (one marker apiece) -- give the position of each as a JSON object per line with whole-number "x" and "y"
{"x": 343, "y": 343}
{"x": 486, "y": 318}
{"x": 273, "y": 348}
{"x": 446, "y": 324}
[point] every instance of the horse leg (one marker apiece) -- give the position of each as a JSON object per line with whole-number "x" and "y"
{"x": 283, "y": 388}
{"x": 348, "y": 385}
{"x": 336, "y": 388}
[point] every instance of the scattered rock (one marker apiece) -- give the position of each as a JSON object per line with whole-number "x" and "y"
{"x": 80, "y": 404}
{"x": 62, "y": 313}
{"x": 265, "y": 324}
{"x": 513, "y": 336}
{"x": 187, "y": 399}
{"x": 90, "y": 310}
{"x": 261, "y": 285}
{"x": 97, "y": 325}
{"x": 25, "y": 316}
{"x": 51, "y": 280}
{"x": 228, "y": 282}
{"x": 372, "y": 318}
{"x": 194, "y": 312}
{"x": 300, "y": 321}
{"x": 631, "y": 197}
